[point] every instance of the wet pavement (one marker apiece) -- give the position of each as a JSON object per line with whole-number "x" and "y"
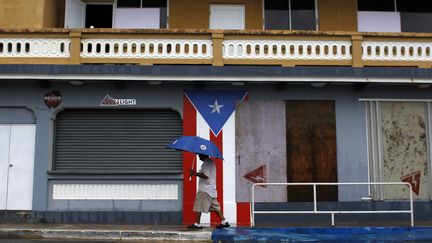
{"x": 76, "y": 233}
{"x": 325, "y": 234}
{"x": 78, "y": 241}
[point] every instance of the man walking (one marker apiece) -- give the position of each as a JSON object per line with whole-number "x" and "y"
{"x": 206, "y": 198}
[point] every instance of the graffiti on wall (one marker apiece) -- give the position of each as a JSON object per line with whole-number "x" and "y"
{"x": 257, "y": 175}
{"x": 414, "y": 180}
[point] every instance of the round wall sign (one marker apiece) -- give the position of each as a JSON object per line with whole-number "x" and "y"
{"x": 53, "y": 99}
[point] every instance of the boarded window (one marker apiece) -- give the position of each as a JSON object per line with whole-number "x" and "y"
{"x": 292, "y": 141}
{"x": 398, "y": 149}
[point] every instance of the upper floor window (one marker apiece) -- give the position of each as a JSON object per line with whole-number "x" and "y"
{"x": 373, "y": 5}
{"x": 290, "y": 15}
{"x": 395, "y": 15}
{"x": 141, "y": 3}
{"x": 141, "y": 14}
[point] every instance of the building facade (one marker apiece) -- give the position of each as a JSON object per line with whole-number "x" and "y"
{"x": 91, "y": 92}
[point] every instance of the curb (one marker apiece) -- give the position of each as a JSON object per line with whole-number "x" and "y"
{"x": 129, "y": 235}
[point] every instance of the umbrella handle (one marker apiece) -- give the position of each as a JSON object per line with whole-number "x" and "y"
{"x": 193, "y": 164}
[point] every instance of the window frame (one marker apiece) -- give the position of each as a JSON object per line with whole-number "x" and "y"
{"x": 166, "y": 19}
{"x": 290, "y": 14}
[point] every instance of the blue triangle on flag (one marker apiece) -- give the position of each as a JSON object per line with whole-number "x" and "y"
{"x": 215, "y": 106}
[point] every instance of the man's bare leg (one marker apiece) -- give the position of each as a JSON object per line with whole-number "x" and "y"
{"x": 219, "y": 214}
{"x": 198, "y": 217}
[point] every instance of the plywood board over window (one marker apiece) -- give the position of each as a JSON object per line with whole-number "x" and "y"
{"x": 398, "y": 148}
{"x": 404, "y": 147}
{"x": 260, "y": 150}
{"x": 286, "y": 141}
{"x": 311, "y": 149}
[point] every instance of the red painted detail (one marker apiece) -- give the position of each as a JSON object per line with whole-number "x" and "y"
{"x": 214, "y": 219}
{"x": 243, "y": 214}
{"x": 189, "y": 187}
{"x": 257, "y": 175}
{"x": 246, "y": 97}
{"x": 414, "y": 180}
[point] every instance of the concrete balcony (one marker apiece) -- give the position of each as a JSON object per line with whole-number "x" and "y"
{"x": 217, "y": 48}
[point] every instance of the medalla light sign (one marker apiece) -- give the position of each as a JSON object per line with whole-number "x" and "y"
{"x": 53, "y": 99}
{"x": 110, "y": 101}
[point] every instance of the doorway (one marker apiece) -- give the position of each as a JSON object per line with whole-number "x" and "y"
{"x": 311, "y": 149}
{"x": 85, "y": 15}
{"x": 99, "y": 16}
{"x": 17, "y": 151}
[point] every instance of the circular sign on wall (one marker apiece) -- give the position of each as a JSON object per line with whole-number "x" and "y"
{"x": 52, "y": 99}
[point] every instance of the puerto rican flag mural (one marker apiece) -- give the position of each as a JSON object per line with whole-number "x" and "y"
{"x": 211, "y": 115}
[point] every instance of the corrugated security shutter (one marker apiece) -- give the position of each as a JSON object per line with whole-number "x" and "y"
{"x": 118, "y": 141}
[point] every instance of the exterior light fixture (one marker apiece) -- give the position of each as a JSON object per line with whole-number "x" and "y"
{"x": 423, "y": 86}
{"x": 76, "y": 82}
{"x": 317, "y": 85}
{"x": 238, "y": 83}
{"x": 155, "y": 82}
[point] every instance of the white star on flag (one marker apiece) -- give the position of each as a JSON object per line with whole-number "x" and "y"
{"x": 216, "y": 107}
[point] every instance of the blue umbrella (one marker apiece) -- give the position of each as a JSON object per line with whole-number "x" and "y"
{"x": 196, "y": 145}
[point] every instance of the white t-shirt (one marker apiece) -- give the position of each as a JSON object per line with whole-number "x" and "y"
{"x": 208, "y": 185}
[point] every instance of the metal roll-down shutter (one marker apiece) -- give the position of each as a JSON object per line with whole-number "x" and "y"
{"x": 117, "y": 141}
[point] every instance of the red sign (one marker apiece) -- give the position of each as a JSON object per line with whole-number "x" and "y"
{"x": 53, "y": 99}
{"x": 257, "y": 176}
{"x": 414, "y": 180}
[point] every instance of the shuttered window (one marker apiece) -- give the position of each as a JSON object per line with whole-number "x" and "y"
{"x": 117, "y": 141}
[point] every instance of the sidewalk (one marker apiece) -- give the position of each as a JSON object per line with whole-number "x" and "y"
{"x": 103, "y": 232}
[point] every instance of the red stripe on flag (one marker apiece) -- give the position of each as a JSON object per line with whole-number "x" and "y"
{"x": 246, "y": 97}
{"x": 189, "y": 187}
{"x": 214, "y": 219}
{"x": 243, "y": 214}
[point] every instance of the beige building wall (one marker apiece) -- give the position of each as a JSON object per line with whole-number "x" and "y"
{"x": 337, "y": 15}
{"x": 193, "y": 14}
{"x": 54, "y": 13}
{"x": 22, "y": 13}
{"x": 334, "y": 15}
{"x": 32, "y": 13}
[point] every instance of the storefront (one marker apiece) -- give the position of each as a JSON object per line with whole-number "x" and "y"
{"x": 99, "y": 150}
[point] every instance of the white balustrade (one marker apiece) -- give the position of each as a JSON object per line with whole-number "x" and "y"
{"x": 203, "y": 49}
{"x": 287, "y": 50}
{"x": 397, "y": 51}
{"x": 32, "y": 47}
{"x": 150, "y": 48}
{"x": 115, "y": 192}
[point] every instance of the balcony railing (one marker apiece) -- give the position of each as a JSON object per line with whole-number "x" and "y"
{"x": 217, "y": 48}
